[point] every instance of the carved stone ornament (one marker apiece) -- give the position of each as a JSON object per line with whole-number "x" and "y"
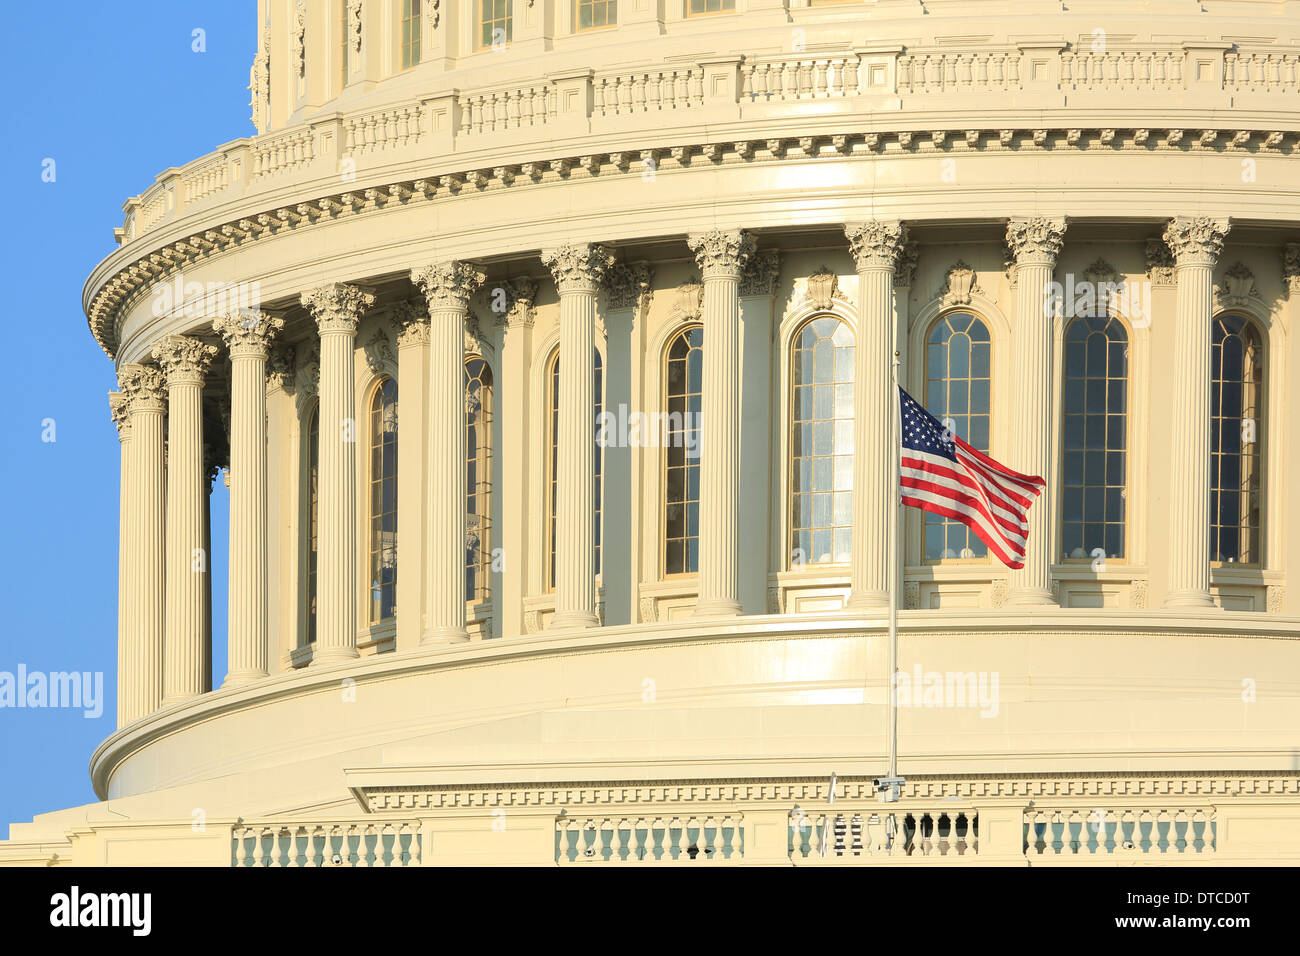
{"x": 578, "y": 267}
{"x": 354, "y": 23}
{"x": 1100, "y": 272}
{"x": 309, "y": 370}
{"x": 719, "y": 253}
{"x": 821, "y": 289}
{"x": 280, "y": 367}
{"x": 300, "y": 37}
{"x": 259, "y": 83}
{"x": 628, "y": 285}
{"x": 378, "y": 349}
{"x": 411, "y": 319}
{"x": 761, "y": 273}
{"x": 249, "y": 333}
{"x": 1238, "y": 285}
{"x": 959, "y": 283}
{"x": 184, "y": 360}
{"x": 905, "y": 271}
{"x": 337, "y": 307}
{"x": 1160, "y": 263}
{"x": 432, "y": 12}
{"x": 876, "y": 243}
{"x": 144, "y": 387}
{"x": 117, "y": 409}
{"x": 688, "y": 304}
{"x": 447, "y": 286}
{"x": 1291, "y": 267}
{"x": 1138, "y": 595}
{"x": 1196, "y": 240}
{"x": 514, "y": 302}
{"x": 1275, "y": 598}
{"x": 1036, "y": 240}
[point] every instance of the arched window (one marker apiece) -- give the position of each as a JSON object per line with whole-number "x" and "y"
{"x": 821, "y": 443}
{"x": 1096, "y": 420}
{"x": 958, "y": 386}
{"x": 1236, "y": 431}
{"x": 411, "y": 24}
{"x": 313, "y": 517}
{"x": 683, "y": 376}
{"x": 553, "y": 419}
{"x": 478, "y": 478}
{"x": 383, "y": 501}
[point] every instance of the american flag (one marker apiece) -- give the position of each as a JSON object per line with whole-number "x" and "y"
{"x": 944, "y": 475}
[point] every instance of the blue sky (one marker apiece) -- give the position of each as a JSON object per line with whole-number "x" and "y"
{"x": 113, "y": 93}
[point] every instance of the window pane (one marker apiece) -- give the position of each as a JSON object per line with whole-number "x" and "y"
{"x": 958, "y": 391}
{"x": 1236, "y": 454}
{"x": 383, "y": 502}
{"x": 1095, "y": 399}
{"x": 682, "y": 466}
{"x": 821, "y": 439}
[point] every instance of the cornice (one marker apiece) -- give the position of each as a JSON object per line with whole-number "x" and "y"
{"x": 118, "y": 292}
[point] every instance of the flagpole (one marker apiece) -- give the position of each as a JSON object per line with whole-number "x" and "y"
{"x": 895, "y": 467}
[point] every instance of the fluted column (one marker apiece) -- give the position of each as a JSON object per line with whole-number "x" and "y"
{"x": 185, "y": 363}
{"x": 511, "y": 399}
{"x": 117, "y": 404}
{"x": 447, "y": 287}
{"x": 248, "y": 337}
{"x": 412, "y": 318}
{"x": 1035, "y": 243}
{"x": 721, "y": 257}
{"x": 1196, "y": 243}
{"x": 337, "y": 309}
{"x": 578, "y": 271}
{"x": 875, "y": 247}
{"x": 146, "y": 403}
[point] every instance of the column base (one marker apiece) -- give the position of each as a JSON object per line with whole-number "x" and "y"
{"x": 444, "y": 635}
{"x": 236, "y": 678}
{"x": 175, "y": 699}
{"x": 1039, "y": 597}
{"x": 867, "y": 601}
{"x": 332, "y": 655}
{"x": 576, "y": 619}
{"x": 717, "y": 607}
{"x": 1190, "y": 599}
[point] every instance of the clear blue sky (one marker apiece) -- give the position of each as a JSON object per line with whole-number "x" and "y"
{"x": 113, "y": 93}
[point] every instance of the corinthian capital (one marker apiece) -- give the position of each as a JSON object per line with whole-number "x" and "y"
{"x": 722, "y": 254}
{"x": 1196, "y": 240}
{"x": 761, "y": 273}
{"x": 337, "y": 307}
{"x": 412, "y": 320}
{"x": 578, "y": 268}
{"x": 1037, "y": 240}
{"x": 877, "y": 243}
{"x": 184, "y": 360}
{"x": 117, "y": 409}
{"x": 1291, "y": 267}
{"x": 144, "y": 387}
{"x": 248, "y": 334}
{"x": 448, "y": 285}
{"x": 513, "y": 303}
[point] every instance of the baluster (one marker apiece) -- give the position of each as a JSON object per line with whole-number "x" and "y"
{"x": 276, "y": 856}
{"x": 345, "y": 851}
{"x": 241, "y": 848}
{"x": 259, "y": 852}
{"x": 417, "y": 851}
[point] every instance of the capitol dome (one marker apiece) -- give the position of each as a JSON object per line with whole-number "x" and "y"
{"x": 546, "y": 349}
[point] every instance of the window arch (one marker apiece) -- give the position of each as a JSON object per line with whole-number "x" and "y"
{"x": 683, "y": 380}
{"x": 958, "y": 392}
{"x": 1236, "y": 433}
{"x": 821, "y": 443}
{"x": 553, "y": 425}
{"x": 383, "y": 501}
{"x": 1094, "y": 471}
{"x": 313, "y": 517}
{"x": 478, "y": 478}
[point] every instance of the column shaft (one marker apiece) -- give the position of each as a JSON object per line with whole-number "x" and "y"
{"x": 578, "y": 270}
{"x": 1035, "y": 243}
{"x": 1196, "y": 244}
{"x": 125, "y": 521}
{"x": 875, "y": 248}
{"x": 412, "y": 470}
{"x": 721, "y": 257}
{"x": 184, "y": 362}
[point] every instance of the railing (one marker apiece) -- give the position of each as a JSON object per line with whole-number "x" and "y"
{"x": 650, "y": 839}
{"x": 760, "y": 84}
{"x": 866, "y": 834}
{"x": 1082, "y": 833}
{"x": 339, "y": 844}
